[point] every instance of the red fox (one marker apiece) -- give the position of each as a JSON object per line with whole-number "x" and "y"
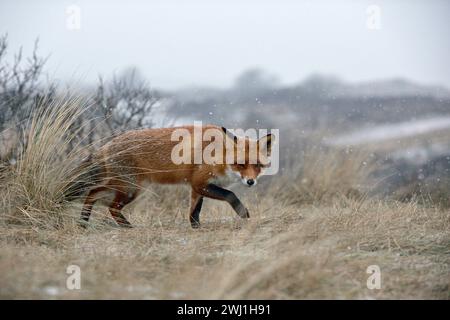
{"x": 123, "y": 165}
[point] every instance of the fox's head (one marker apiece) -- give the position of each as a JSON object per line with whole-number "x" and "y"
{"x": 251, "y": 156}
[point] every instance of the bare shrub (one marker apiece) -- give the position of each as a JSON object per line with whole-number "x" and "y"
{"x": 125, "y": 102}
{"x": 21, "y": 88}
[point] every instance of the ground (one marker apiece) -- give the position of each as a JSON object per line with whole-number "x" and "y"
{"x": 286, "y": 250}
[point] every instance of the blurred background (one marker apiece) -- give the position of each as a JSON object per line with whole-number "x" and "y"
{"x": 334, "y": 77}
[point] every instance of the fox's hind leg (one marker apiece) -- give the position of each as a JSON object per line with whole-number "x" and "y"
{"x": 196, "y": 207}
{"x": 121, "y": 199}
{"x": 89, "y": 202}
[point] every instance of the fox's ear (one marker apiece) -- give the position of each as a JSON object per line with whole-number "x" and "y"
{"x": 228, "y": 133}
{"x": 265, "y": 143}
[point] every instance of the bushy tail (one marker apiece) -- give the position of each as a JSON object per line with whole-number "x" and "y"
{"x": 90, "y": 173}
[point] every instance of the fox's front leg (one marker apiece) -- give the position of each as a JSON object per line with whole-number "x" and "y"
{"x": 196, "y": 207}
{"x": 215, "y": 192}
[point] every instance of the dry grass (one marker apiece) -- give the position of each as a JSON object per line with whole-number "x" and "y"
{"x": 33, "y": 188}
{"x": 283, "y": 252}
{"x": 304, "y": 240}
{"x": 323, "y": 175}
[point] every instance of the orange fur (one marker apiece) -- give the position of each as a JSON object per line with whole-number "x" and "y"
{"x": 137, "y": 157}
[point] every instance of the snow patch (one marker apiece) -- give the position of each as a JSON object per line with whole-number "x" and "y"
{"x": 390, "y": 131}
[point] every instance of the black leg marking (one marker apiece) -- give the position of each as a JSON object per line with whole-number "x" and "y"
{"x": 120, "y": 201}
{"x": 216, "y": 192}
{"x": 86, "y": 212}
{"x": 88, "y": 205}
{"x": 195, "y": 214}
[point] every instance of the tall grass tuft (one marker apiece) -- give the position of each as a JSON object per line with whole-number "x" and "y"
{"x": 322, "y": 175}
{"x": 33, "y": 188}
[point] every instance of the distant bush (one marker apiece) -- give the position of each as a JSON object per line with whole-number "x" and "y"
{"x": 21, "y": 89}
{"x": 125, "y": 102}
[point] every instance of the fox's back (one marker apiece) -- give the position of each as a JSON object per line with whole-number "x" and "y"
{"x": 146, "y": 154}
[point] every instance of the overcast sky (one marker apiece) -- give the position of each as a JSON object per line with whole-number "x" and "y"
{"x": 207, "y": 42}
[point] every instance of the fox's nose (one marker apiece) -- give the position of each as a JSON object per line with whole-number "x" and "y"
{"x": 250, "y": 182}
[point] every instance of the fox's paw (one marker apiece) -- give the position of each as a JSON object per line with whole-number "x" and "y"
{"x": 125, "y": 225}
{"x": 243, "y": 212}
{"x": 83, "y": 224}
{"x": 195, "y": 224}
